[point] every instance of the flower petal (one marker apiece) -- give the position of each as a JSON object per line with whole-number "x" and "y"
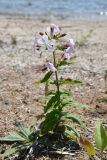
{"x": 51, "y": 45}
{"x": 70, "y": 50}
{"x": 71, "y": 42}
{"x": 44, "y": 39}
{"x": 50, "y": 67}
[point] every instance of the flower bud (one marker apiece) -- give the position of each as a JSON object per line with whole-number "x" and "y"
{"x": 53, "y": 29}
{"x": 65, "y": 56}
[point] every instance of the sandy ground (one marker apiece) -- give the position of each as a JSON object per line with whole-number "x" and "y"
{"x": 19, "y": 98}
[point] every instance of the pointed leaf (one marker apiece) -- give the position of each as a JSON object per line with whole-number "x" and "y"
{"x": 64, "y": 62}
{"x": 62, "y": 35}
{"x": 14, "y": 149}
{"x": 66, "y": 101}
{"x": 71, "y": 128}
{"x": 62, "y": 92}
{"x": 45, "y": 79}
{"x": 79, "y": 105}
{"x": 51, "y": 120}
{"x": 75, "y": 119}
{"x": 12, "y": 137}
{"x": 70, "y": 135}
{"x": 51, "y": 102}
{"x": 69, "y": 81}
{"x": 100, "y": 136}
{"x": 25, "y": 132}
{"x": 8, "y": 152}
{"x": 65, "y": 81}
{"x": 88, "y": 146}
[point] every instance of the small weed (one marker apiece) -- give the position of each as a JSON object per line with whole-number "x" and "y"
{"x": 105, "y": 79}
{"x": 13, "y": 40}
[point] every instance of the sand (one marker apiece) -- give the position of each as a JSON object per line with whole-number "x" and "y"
{"x": 19, "y": 98}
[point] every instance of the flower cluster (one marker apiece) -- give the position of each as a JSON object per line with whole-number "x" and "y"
{"x": 51, "y": 41}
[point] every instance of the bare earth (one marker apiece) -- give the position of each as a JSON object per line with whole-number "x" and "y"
{"x": 20, "y": 99}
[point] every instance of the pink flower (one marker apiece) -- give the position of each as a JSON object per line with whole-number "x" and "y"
{"x": 53, "y": 29}
{"x": 50, "y": 67}
{"x": 65, "y": 56}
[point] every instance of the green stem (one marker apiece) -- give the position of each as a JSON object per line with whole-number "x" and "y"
{"x": 101, "y": 155}
{"x": 56, "y": 76}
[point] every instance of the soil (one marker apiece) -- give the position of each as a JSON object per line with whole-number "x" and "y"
{"x": 20, "y": 100}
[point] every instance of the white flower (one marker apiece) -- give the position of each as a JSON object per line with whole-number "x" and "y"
{"x": 51, "y": 45}
{"x": 44, "y": 43}
{"x": 50, "y": 67}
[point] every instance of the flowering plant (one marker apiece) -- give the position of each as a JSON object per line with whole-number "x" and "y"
{"x": 63, "y": 53}
{"x": 54, "y": 118}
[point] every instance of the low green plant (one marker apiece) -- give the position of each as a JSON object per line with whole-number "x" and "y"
{"x": 13, "y": 40}
{"x": 100, "y": 137}
{"x": 54, "y": 119}
{"x": 20, "y": 139}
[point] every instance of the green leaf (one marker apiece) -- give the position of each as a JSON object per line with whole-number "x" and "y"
{"x": 51, "y": 102}
{"x": 25, "y": 132}
{"x": 64, "y": 62}
{"x": 8, "y": 152}
{"x": 12, "y": 137}
{"x": 71, "y": 128}
{"x": 66, "y": 101}
{"x": 14, "y": 149}
{"x": 62, "y": 35}
{"x": 51, "y": 120}
{"x": 64, "y": 113}
{"x": 69, "y": 81}
{"x": 100, "y": 136}
{"x": 70, "y": 135}
{"x": 78, "y": 104}
{"x": 75, "y": 119}
{"x": 65, "y": 81}
{"x": 45, "y": 79}
{"x": 70, "y": 101}
{"x": 88, "y": 146}
{"x": 51, "y": 92}
{"x": 62, "y": 92}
